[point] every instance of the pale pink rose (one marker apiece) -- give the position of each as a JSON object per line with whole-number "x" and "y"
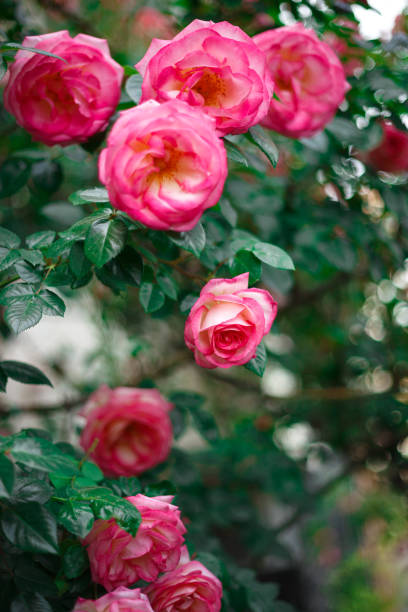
{"x": 228, "y": 321}
{"x": 391, "y": 154}
{"x": 309, "y": 80}
{"x": 190, "y": 587}
{"x": 164, "y": 164}
{"x": 63, "y": 102}
{"x": 119, "y": 600}
{"x": 119, "y": 559}
{"x": 132, "y": 429}
{"x": 214, "y": 66}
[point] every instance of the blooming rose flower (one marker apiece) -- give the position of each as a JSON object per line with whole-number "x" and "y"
{"x": 119, "y": 600}
{"x": 119, "y": 559}
{"x": 391, "y": 155}
{"x": 164, "y": 164}
{"x": 190, "y": 587}
{"x": 309, "y": 80}
{"x": 132, "y": 427}
{"x": 215, "y": 66}
{"x": 63, "y": 102}
{"x": 228, "y": 321}
{"x": 350, "y": 54}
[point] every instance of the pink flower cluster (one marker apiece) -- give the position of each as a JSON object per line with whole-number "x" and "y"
{"x": 118, "y": 560}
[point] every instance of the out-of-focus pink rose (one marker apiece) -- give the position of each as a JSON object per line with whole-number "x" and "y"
{"x": 119, "y": 559}
{"x": 349, "y": 54}
{"x": 150, "y": 23}
{"x": 164, "y": 164}
{"x": 132, "y": 427}
{"x": 191, "y": 587}
{"x": 391, "y": 155}
{"x": 63, "y": 102}
{"x": 214, "y": 66}
{"x": 228, "y": 321}
{"x": 119, "y": 600}
{"x": 309, "y": 80}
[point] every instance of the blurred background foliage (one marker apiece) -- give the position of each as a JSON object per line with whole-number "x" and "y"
{"x": 301, "y": 476}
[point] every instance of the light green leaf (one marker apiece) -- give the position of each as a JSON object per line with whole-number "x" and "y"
{"x": 133, "y": 87}
{"x": 151, "y": 297}
{"x": 92, "y": 194}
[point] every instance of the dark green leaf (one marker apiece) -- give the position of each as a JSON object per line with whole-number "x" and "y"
{"x": 124, "y": 487}
{"x": 24, "y": 373}
{"x": 9, "y": 239}
{"x": 78, "y": 263}
{"x": 151, "y": 297}
{"x": 47, "y": 175}
{"x": 91, "y": 471}
{"x": 3, "y": 379}
{"x": 258, "y": 363}
{"x": 234, "y": 153}
{"x": 77, "y": 517}
{"x": 6, "y": 476}
{"x": 41, "y": 454}
{"x": 187, "y": 302}
{"x": 31, "y": 578}
{"x": 164, "y": 487}
{"x": 133, "y": 87}
{"x": 81, "y": 227}
{"x": 74, "y": 560}
{"x": 28, "y": 273}
{"x": 21, "y": 315}
{"x": 92, "y": 194}
{"x": 125, "y": 514}
{"x": 31, "y": 528}
{"x": 192, "y": 241}
{"x": 245, "y": 261}
{"x": 105, "y": 239}
{"x": 33, "y": 602}
{"x": 259, "y": 136}
{"x": 228, "y": 212}
{"x": 29, "y": 489}
{"x": 14, "y": 174}
{"x": 205, "y": 423}
{"x": 40, "y": 239}
{"x": 168, "y": 285}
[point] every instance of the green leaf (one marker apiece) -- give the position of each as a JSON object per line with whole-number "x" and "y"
{"x": 14, "y": 174}
{"x": 258, "y": 363}
{"x": 168, "y": 285}
{"x": 124, "y": 487}
{"x": 46, "y": 175}
{"x": 51, "y": 303}
{"x": 81, "y": 227}
{"x": 92, "y": 194}
{"x": 41, "y": 454}
{"x": 29, "y": 489}
{"x": 273, "y": 256}
{"x": 74, "y": 560}
{"x": 3, "y": 67}
{"x": 192, "y": 241}
{"x": 28, "y": 273}
{"x": 188, "y": 302}
{"x": 261, "y": 139}
{"x": 9, "y": 239}
{"x": 228, "y": 212}
{"x": 234, "y": 153}
{"x": 245, "y": 261}
{"x": 31, "y": 528}
{"x": 125, "y": 514}
{"x": 3, "y": 379}
{"x": 21, "y": 315}
{"x": 91, "y": 471}
{"x": 6, "y": 477}
{"x": 8, "y": 258}
{"x": 205, "y": 423}
{"x": 24, "y": 373}
{"x": 164, "y": 487}
{"x": 78, "y": 263}
{"x": 179, "y": 413}
{"x": 77, "y": 517}
{"x": 133, "y": 87}
{"x": 39, "y": 240}
{"x": 31, "y": 578}
{"x": 33, "y": 602}
{"x": 105, "y": 239}
{"x": 151, "y": 297}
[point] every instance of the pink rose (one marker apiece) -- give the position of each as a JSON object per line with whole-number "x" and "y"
{"x": 164, "y": 164}
{"x": 228, "y": 321}
{"x": 63, "y": 102}
{"x": 309, "y": 80}
{"x": 119, "y": 559}
{"x": 391, "y": 155}
{"x": 119, "y": 600}
{"x": 132, "y": 427}
{"x": 214, "y": 66}
{"x": 190, "y": 587}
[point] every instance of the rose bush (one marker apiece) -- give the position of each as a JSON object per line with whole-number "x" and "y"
{"x": 391, "y": 154}
{"x": 309, "y": 80}
{"x": 228, "y": 321}
{"x": 119, "y": 600}
{"x": 351, "y": 55}
{"x": 191, "y": 587}
{"x": 118, "y": 559}
{"x": 164, "y": 164}
{"x": 214, "y": 66}
{"x": 132, "y": 429}
{"x": 63, "y": 101}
